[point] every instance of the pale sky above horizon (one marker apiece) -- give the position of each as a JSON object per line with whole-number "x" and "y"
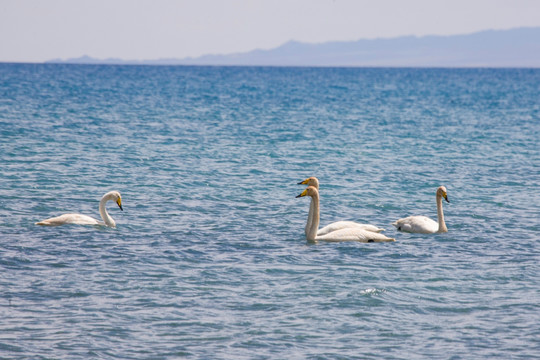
{"x": 36, "y": 31}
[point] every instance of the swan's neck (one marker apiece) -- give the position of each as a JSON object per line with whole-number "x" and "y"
{"x": 311, "y": 210}
{"x": 104, "y": 214}
{"x": 313, "y": 222}
{"x": 310, "y": 215}
{"x": 440, "y": 216}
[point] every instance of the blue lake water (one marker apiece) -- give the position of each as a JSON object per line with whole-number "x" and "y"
{"x": 209, "y": 258}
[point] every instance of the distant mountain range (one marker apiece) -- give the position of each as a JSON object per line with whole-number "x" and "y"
{"x": 492, "y": 48}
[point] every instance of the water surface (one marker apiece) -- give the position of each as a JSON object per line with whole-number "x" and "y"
{"x": 209, "y": 258}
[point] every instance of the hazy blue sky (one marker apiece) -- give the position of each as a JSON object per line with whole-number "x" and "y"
{"x": 39, "y": 30}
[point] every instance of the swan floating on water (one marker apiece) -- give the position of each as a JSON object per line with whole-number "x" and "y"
{"x": 423, "y": 224}
{"x": 80, "y": 219}
{"x": 345, "y": 234}
{"x": 338, "y": 225}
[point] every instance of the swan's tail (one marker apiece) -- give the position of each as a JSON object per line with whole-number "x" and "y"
{"x": 386, "y": 240}
{"x": 376, "y": 237}
{"x": 44, "y": 223}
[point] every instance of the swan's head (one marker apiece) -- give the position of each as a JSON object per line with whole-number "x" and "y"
{"x": 310, "y": 181}
{"x": 441, "y": 192}
{"x": 114, "y": 196}
{"x": 309, "y": 191}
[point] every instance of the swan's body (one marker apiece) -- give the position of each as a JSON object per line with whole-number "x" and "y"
{"x": 338, "y": 225}
{"x": 344, "y": 234}
{"x": 423, "y": 224}
{"x": 80, "y": 219}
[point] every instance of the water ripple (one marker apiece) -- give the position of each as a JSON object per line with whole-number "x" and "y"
{"x": 209, "y": 258}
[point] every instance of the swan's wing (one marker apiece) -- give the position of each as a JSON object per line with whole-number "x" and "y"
{"x": 417, "y": 224}
{"x": 77, "y": 219}
{"x": 354, "y": 234}
{"x": 338, "y": 225}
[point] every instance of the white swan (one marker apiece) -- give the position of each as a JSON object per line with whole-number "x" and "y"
{"x": 423, "y": 224}
{"x": 338, "y": 225}
{"x": 346, "y": 234}
{"x": 80, "y": 219}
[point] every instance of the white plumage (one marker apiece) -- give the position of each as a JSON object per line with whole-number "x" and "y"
{"x": 345, "y": 234}
{"x": 338, "y": 225}
{"x": 80, "y": 219}
{"x": 423, "y": 224}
